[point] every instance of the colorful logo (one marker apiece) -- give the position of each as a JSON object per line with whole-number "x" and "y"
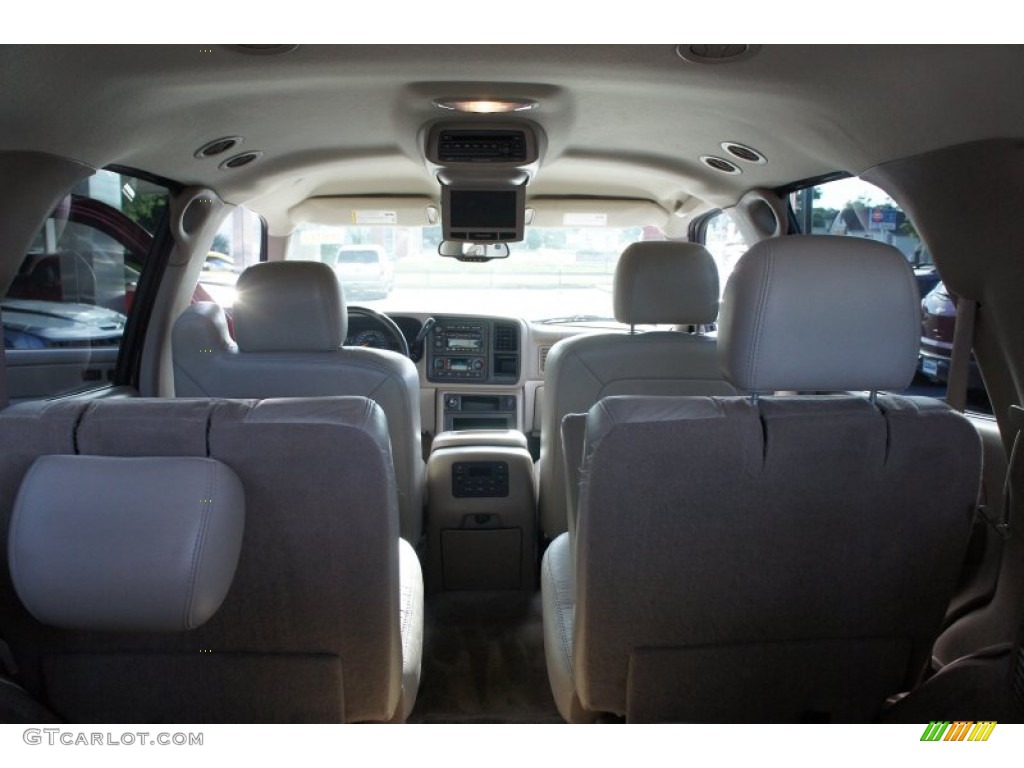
{"x": 958, "y": 731}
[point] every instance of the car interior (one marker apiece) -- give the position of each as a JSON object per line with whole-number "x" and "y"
{"x": 511, "y": 384}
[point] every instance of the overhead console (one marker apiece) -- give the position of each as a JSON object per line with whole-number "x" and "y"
{"x": 483, "y": 170}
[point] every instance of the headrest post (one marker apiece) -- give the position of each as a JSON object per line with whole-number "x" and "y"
{"x": 873, "y": 397}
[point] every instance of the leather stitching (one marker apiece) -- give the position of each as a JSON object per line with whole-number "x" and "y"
{"x": 762, "y": 304}
{"x": 206, "y": 510}
{"x": 559, "y": 615}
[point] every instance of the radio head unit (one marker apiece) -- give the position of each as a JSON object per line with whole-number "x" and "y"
{"x": 473, "y": 350}
{"x": 459, "y": 351}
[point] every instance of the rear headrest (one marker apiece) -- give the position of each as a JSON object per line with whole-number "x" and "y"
{"x": 126, "y": 544}
{"x": 289, "y": 306}
{"x": 666, "y": 282}
{"x": 820, "y": 313}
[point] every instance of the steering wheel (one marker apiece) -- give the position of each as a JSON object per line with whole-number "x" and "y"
{"x": 389, "y": 326}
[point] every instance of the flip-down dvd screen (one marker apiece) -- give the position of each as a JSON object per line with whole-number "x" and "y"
{"x": 483, "y": 214}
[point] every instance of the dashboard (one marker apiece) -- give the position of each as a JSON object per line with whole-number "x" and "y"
{"x": 475, "y": 371}
{"x": 364, "y": 331}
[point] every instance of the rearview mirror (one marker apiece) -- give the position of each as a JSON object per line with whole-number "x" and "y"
{"x": 455, "y": 249}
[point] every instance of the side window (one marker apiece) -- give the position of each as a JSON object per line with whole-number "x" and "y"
{"x": 723, "y": 240}
{"x": 239, "y": 243}
{"x": 854, "y": 208}
{"x": 65, "y": 311}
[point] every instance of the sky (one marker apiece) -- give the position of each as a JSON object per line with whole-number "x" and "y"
{"x": 837, "y": 193}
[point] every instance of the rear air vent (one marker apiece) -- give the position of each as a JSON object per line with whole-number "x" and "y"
{"x": 715, "y": 54}
{"x": 744, "y": 153}
{"x": 217, "y": 147}
{"x": 239, "y": 161}
{"x": 542, "y": 355}
{"x": 721, "y": 165}
{"x": 506, "y": 337}
{"x": 479, "y": 146}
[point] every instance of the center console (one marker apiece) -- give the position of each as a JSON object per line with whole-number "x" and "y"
{"x": 479, "y": 410}
{"x": 482, "y": 512}
{"x": 481, "y": 517}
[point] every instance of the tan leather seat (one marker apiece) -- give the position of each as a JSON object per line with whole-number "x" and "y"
{"x": 289, "y": 324}
{"x": 657, "y": 283}
{"x": 220, "y": 561}
{"x": 770, "y": 559}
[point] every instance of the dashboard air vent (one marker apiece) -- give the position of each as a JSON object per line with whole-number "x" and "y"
{"x": 542, "y": 355}
{"x": 506, "y": 337}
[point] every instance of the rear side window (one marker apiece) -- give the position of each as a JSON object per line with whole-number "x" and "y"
{"x": 854, "y": 208}
{"x": 64, "y": 313}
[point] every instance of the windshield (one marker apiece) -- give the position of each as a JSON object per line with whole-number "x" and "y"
{"x": 555, "y": 274}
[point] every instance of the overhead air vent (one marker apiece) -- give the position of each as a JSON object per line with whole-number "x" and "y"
{"x": 542, "y": 358}
{"x": 506, "y": 337}
{"x": 721, "y": 165}
{"x": 239, "y": 161}
{"x": 262, "y": 50}
{"x": 217, "y": 147}
{"x": 744, "y": 153}
{"x": 716, "y": 54}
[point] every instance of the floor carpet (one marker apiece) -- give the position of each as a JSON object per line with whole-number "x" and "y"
{"x": 483, "y": 660}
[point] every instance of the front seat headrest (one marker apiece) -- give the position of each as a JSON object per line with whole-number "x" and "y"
{"x": 820, "y": 313}
{"x": 666, "y": 282}
{"x": 289, "y": 306}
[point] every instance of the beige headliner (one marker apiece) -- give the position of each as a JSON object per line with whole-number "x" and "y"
{"x": 621, "y": 121}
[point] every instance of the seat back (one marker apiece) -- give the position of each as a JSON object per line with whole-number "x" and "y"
{"x": 290, "y": 323}
{"x": 657, "y": 283}
{"x": 309, "y": 629}
{"x": 776, "y": 559}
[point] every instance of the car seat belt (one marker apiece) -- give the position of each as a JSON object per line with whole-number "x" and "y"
{"x": 3, "y": 372}
{"x": 960, "y": 355}
{"x": 1014, "y": 474}
{"x": 7, "y": 666}
{"x": 956, "y": 398}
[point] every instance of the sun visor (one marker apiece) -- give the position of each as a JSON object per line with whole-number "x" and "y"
{"x": 402, "y": 211}
{"x": 594, "y": 212}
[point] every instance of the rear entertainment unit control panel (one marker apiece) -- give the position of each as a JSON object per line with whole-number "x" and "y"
{"x": 472, "y": 350}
